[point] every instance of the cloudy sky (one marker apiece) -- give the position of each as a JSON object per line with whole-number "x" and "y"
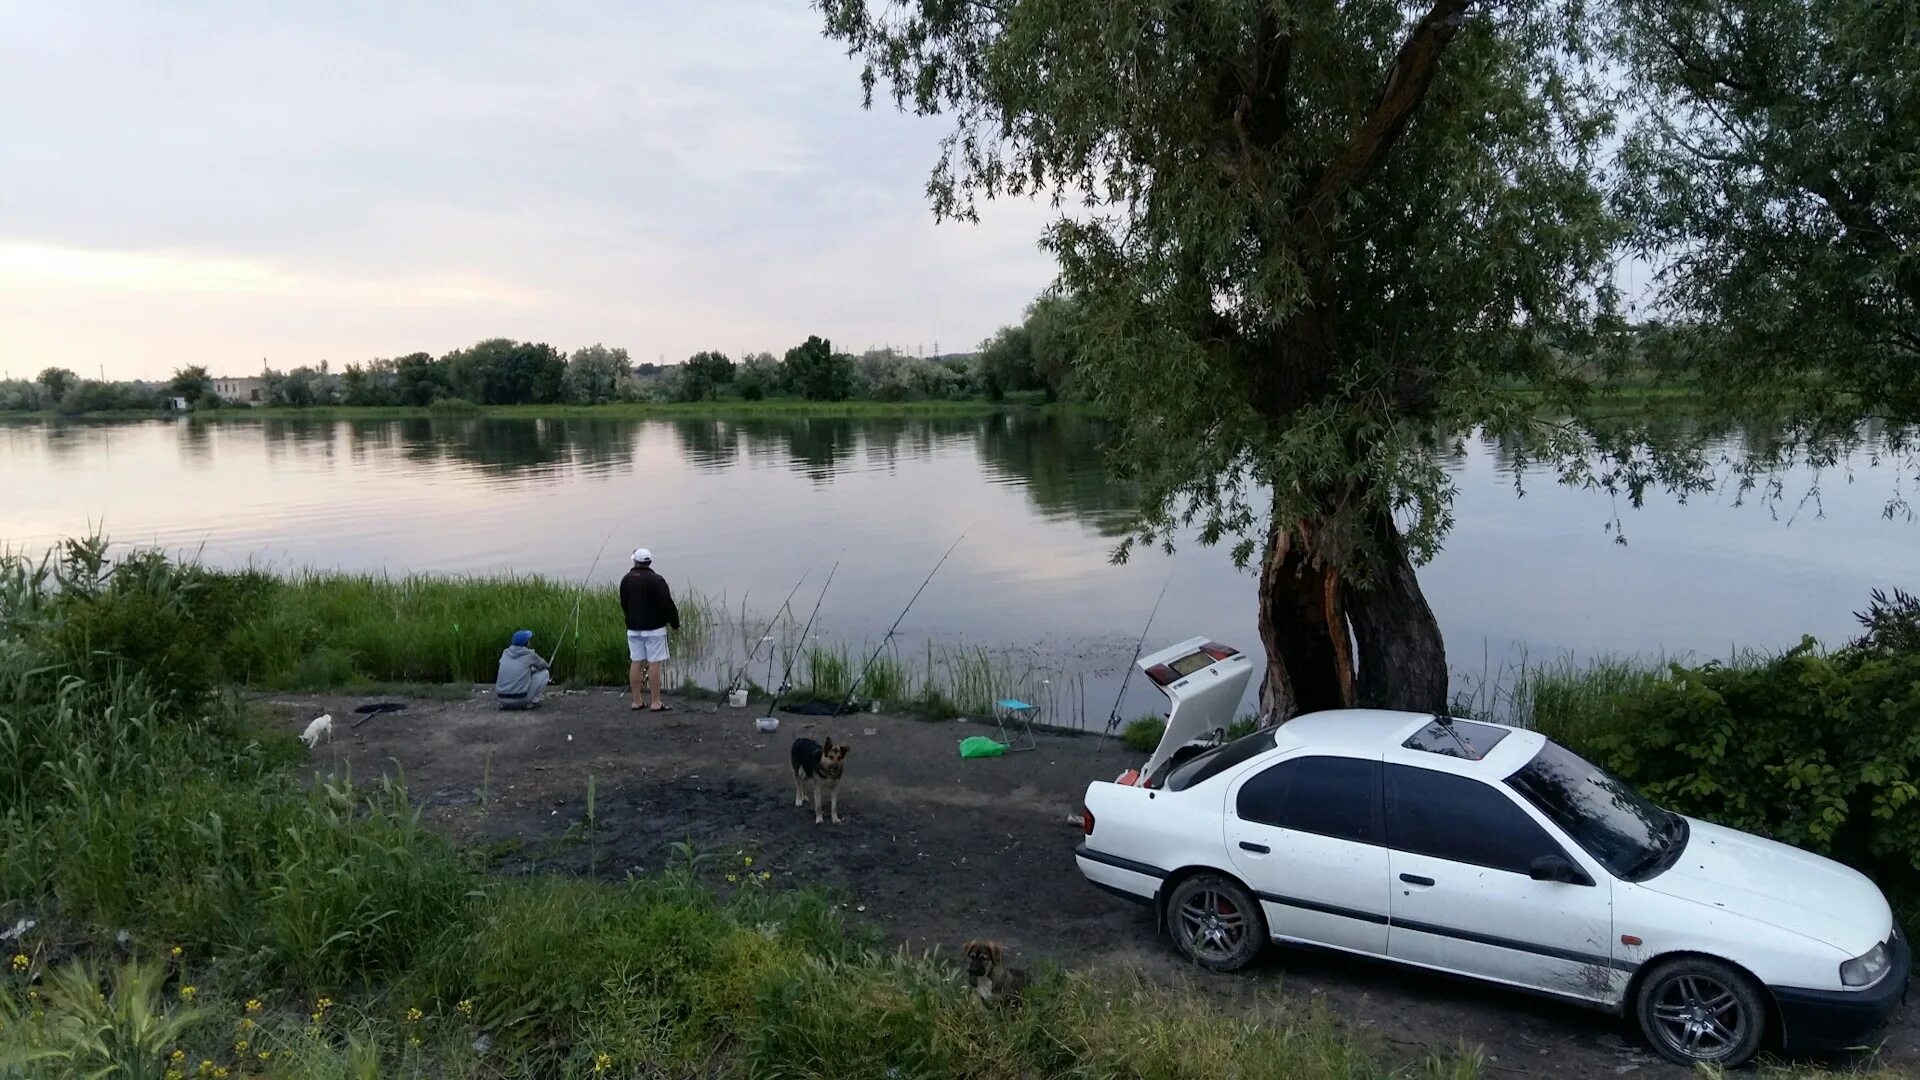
{"x": 225, "y": 183}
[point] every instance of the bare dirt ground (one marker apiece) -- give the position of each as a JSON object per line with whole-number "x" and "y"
{"x": 935, "y": 850}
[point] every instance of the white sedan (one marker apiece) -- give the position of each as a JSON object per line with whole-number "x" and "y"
{"x": 1492, "y": 852}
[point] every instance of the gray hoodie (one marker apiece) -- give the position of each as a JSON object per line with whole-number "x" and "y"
{"x": 518, "y": 666}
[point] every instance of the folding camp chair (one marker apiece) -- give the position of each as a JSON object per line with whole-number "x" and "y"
{"x": 1020, "y": 714}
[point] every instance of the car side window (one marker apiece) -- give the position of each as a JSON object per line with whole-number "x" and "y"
{"x": 1460, "y": 819}
{"x": 1329, "y": 796}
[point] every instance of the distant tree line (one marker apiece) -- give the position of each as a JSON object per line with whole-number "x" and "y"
{"x": 1031, "y": 360}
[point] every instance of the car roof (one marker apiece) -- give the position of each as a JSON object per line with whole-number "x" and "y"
{"x": 1380, "y": 733}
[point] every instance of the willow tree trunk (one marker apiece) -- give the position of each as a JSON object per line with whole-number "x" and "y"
{"x": 1338, "y": 637}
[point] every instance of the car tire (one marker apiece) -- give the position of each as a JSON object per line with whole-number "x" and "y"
{"x": 1696, "y": 1011}
{"x": 1215, "y": 922}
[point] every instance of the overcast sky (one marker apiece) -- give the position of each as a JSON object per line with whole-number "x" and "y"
{"x": 296, "y": 181}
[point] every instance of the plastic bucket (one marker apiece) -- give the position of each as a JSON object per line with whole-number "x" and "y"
{"x": 737, "y": 698}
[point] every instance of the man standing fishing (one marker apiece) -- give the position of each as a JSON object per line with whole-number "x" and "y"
{"x": 648, "y": 606}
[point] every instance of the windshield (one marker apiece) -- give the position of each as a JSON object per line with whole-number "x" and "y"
{"x": 1604, "y": 815}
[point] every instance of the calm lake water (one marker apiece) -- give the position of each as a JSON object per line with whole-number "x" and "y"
{"x": 741, "y": 508}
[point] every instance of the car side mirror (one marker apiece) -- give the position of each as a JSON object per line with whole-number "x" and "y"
{"x": 1556, "y": 868}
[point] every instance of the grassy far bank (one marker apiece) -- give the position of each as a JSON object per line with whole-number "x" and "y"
{"x": 772, "y": 409}
{"x": 136, "y": 797}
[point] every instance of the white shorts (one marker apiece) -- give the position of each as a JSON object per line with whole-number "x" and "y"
{"x": 648, "y": 645}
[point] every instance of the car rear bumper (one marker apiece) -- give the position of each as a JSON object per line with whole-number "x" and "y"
{"x": 1817, "y": 1020}
{"x": 1124, "y": 878}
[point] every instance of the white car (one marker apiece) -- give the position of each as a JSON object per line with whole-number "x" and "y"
{"x": 1486, "y": 851}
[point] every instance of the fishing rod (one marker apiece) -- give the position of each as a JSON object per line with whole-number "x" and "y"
{"x": 765, "y": 635}
{"x": 582, "y": 595}
{"x": 1113, "y": 718}
{"x": 798, "y": 645}
{"x": 896, "y": 625}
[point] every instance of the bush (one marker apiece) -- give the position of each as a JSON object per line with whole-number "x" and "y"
{"x": 1813, "y": 750}
{"x": 1142, "y": 735}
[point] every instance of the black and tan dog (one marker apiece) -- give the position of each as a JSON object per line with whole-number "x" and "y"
{"x": 824, "y": 765}
{"x": 989, "y": 976}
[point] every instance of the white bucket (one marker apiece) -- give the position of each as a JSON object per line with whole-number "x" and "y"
{"x": 737, "y": 698}
{"x": 768, "y": 723}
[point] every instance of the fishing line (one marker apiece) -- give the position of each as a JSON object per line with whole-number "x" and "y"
{"x": 798, "y": 645}
{"x": 582, "y": 595}
{"x": 767, "y": 634}
{"x": 896, "y": 625}
{"x": 1113, "y": 718}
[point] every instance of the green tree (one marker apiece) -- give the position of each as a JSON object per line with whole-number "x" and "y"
{"x": 814, "y": 371}
{"x": 58, "y": 380}
{"x": 1321, "y": 232}
{"x": 419, "y": 379}
{"x": 500, "y": 371}
{"x": 1772, "y": 178}
{"x": 192, "y": 383}
{"x": 1005, "y": 362}
{"x": 759, "y": 376}
{"x": 704, "y": 375}
{"x": 594, "y": 375}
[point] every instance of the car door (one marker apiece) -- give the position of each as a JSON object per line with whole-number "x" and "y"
{"x": 1305, "y": 835}
{"x": 1460, "y": 851}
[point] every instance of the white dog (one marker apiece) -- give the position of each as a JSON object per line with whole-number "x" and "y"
{"x": 322, "y": 726}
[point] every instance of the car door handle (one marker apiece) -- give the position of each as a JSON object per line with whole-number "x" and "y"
{"x": 1259, "y": 848}
{"x": 1416, "y": 879}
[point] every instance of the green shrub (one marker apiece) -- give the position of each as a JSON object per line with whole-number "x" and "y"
{"x": 1814, "y": 750}
{"x": 1143, "y": 734}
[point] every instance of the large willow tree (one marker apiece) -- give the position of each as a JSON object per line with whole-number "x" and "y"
{"x": 1307, "y": 241}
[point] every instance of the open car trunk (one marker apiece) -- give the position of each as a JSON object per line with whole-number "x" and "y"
{"x": 1204, "y": 682}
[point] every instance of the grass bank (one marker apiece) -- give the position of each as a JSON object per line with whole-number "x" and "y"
{"x": 322, "y": 631}
{"x": 702, "y": 410}
{"x": 177, "y": 904}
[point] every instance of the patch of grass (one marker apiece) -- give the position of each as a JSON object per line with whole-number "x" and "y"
{"x": 1141, "y": 735}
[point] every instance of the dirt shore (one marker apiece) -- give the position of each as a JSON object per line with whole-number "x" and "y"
{"x": 934, "y": 850}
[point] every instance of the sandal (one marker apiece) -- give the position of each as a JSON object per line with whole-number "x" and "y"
{"x": 661, "y": 708}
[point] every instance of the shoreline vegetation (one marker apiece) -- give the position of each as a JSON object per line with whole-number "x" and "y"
{"x": 157, "y": 842}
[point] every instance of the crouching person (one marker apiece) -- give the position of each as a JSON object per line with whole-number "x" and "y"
{"x": 523, "y": 675}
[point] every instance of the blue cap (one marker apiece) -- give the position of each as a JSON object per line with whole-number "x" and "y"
{"x": 521, "y": 637}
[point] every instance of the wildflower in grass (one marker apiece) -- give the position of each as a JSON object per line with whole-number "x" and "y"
{"x": 413, "y": 1040}
{"x": 246, "y": 1024}
{"x": 601, "y": 1063}
{"x": 187, "y": 992}
{"x": 253, "y": 1006}
{"x": 220, "y": 1072}
{"x": 766, "y": 875}
{"x": 175, "y": 1074}
{"x": 265, "y": 1055}
{"x": 206, "y": 1066}
{"x": 465, "y": 1008}
{"x": 414, "y": 1015}
{"x": 313, "y": 1032}
{"x": 174, "y": 952}
{"x": 730, "y": 879}
{"x": 177, "y": 1056}
{"x": 748, "y": 861}
{"x": 323, "y": 1004}
{"x": 20, "y": 962}
{"x": 240, "y": 1046}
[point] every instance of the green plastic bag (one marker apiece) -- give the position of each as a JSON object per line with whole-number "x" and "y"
{"x": 981, "y": 746}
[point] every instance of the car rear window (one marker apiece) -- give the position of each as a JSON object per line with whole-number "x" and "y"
{"x": 1218, "y": 760}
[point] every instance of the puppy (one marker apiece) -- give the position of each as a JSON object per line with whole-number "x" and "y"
{"x": 322, "y": 726}
{"x": 824, "y": 765}
{"x": 989, "y": 976}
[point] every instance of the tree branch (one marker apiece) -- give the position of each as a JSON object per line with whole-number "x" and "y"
{"x": 1405, "y": 88}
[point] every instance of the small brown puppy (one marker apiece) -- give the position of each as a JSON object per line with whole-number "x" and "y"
{"x": 989, "y": 976}
{"x": 824, "y": 765}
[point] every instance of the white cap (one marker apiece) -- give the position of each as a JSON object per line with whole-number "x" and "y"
{"x": 642, "y": 555}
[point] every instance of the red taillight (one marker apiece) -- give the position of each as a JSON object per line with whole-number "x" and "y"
{"x": 1219, "y": 651}
{"x": 1086, "y": 821}
{"x": 1162, "y": 674}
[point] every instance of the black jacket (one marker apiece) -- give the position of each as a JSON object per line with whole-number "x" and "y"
{"x": 647, "y": 601}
